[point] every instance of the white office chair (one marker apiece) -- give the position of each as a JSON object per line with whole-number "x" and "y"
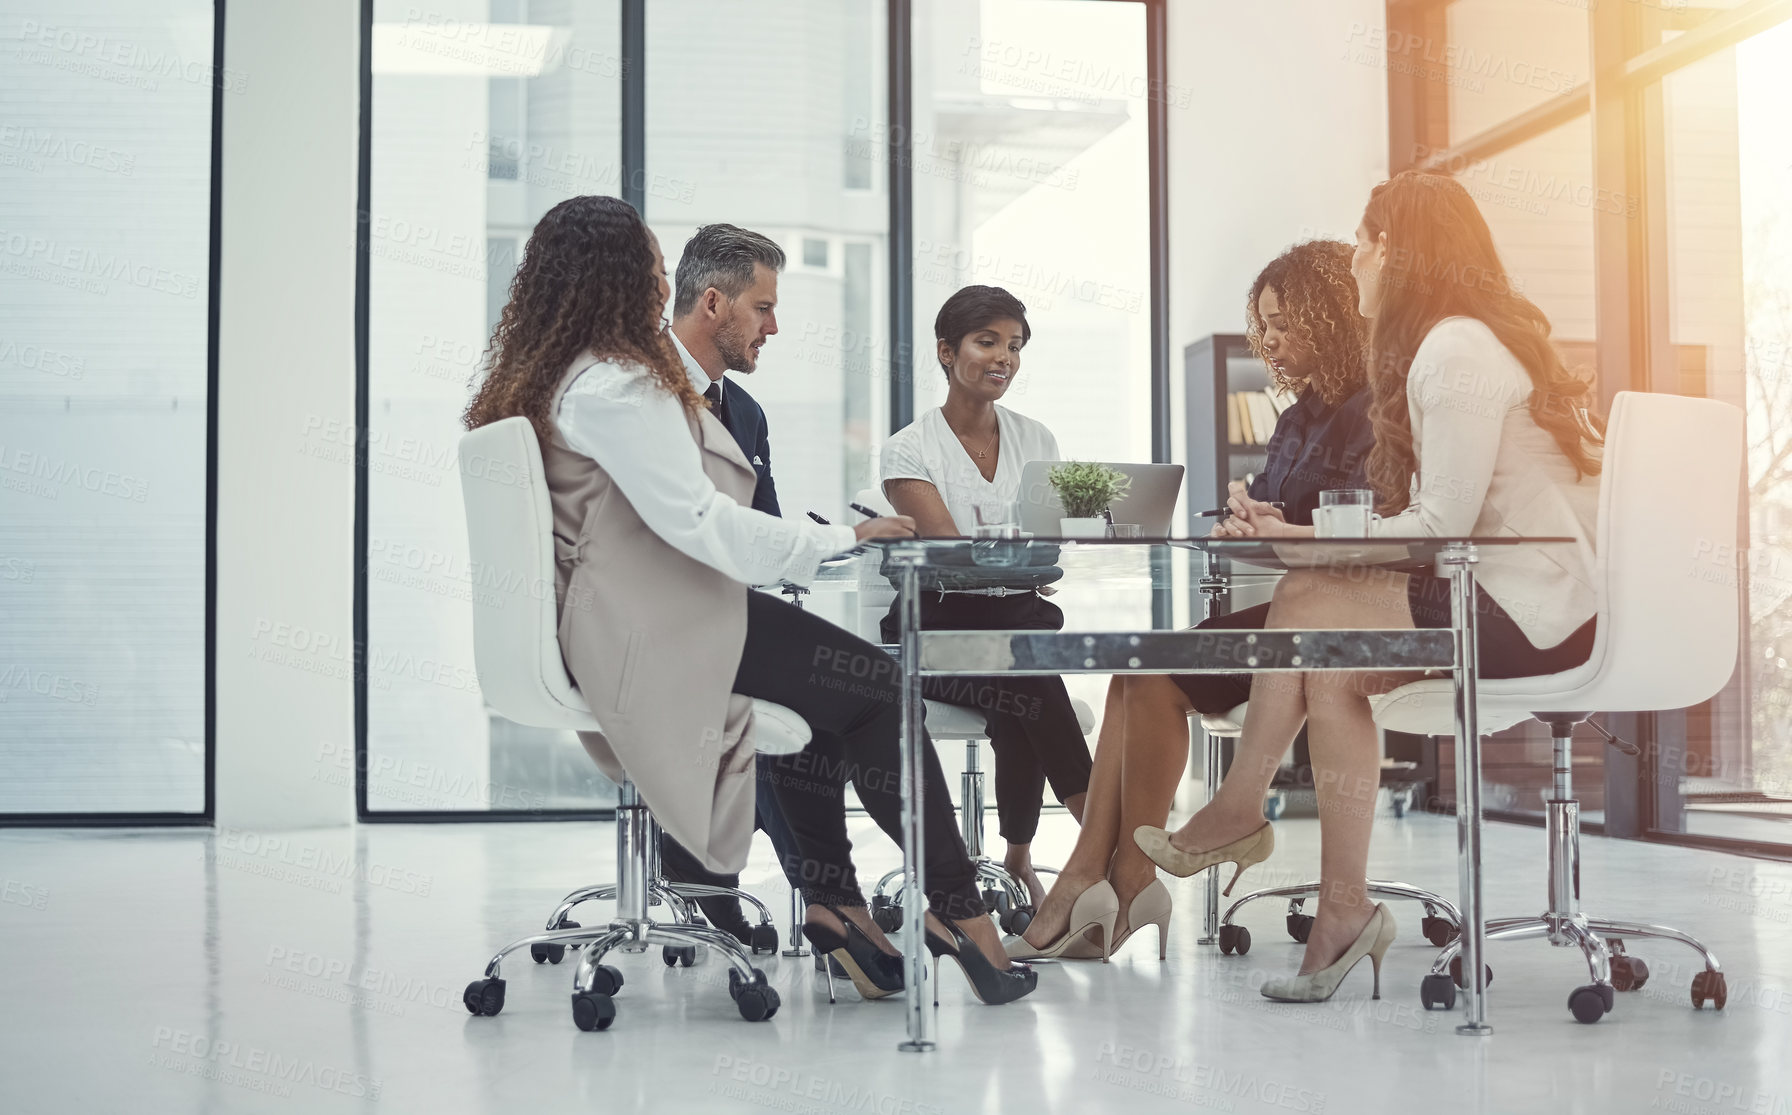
{"x": 523, "y": 677}
{"x": 1002, "y": 892}
{"x": 1668, "y": 607}
{"x": 1440, "y": 923}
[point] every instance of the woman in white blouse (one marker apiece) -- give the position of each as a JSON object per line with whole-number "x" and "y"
{"x": 657, "y": 544}
{"x": 958, "y": 466}
{"x": 1479, "y": 430}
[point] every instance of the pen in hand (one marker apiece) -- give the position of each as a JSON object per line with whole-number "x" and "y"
{"x": 818, "y": 518}
{"x": 863, "y": 510}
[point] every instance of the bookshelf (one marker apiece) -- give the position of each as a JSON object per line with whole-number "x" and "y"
{"x": 1215, "y": 368}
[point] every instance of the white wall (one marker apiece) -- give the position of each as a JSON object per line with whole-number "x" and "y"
{"x": 1277, "y": 133}
{"x": 286, "y": 381}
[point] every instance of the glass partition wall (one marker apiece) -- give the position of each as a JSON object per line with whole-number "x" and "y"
{"x": 106, "y": 211}
{"x": 776, "y": 116}
{"x": 1635, "y": 165}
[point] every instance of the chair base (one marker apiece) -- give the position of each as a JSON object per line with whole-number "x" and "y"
{"x": 681, "y": 941}
{"x": 1441, "y": 924}
{"x": 1565, "y": 925}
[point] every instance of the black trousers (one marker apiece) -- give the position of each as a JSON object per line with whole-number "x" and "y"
{"x": 850, "y": 692}
{"x": 1032, "y": 725}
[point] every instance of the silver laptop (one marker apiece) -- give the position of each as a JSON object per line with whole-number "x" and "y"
{"x": 1150, "y": 502}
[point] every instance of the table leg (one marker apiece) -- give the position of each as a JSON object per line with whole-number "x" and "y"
{"x": 1210, "y": 887}
{"x": 914, "y": 901}
{"x": 1460, "y": 561}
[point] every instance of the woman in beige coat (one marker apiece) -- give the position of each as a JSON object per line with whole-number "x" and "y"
{"x": 657, "y": 543}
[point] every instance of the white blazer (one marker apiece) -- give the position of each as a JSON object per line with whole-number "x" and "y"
{"x": 1486, "y": 468}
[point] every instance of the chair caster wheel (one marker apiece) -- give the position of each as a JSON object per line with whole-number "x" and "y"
{"x": 1299, "y": 925}
{"x": 674, "y": 955}
{"x": 757, "y": 1000}
{"x": 1705, "y": 985}
{"x": 1015, "y": 919}
{"x": 765, "y": 939}
{"x": 886, "y": 914}
{"x": 757, "y": 1004}
{"x": 1235, "y": 940}
{"x": 1437, "y": 991}
{"x": 1439, "y": 931}
{"x": 822, "y": 958}
{"x": 606, "y": 980}
{"x": 995, "y": 899}
{"x": 1456, "y": 973}
{"x": 1629, "y": 973}
{"x": 484, "y": 996}
{"x": 1589, "y": 1003}
{"x": 547, "y": 954}
{"x": 592, "y": 1010}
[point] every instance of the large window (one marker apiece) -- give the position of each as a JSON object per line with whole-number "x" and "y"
{"x": 105, "y": 233}
{"x": 1031, "y": 172}
{"x": 485, "y": 114}
{"x": 1679, "y": 209}
{"x": 775, "y": 116}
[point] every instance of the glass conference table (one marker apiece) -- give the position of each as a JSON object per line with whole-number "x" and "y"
{"x": 1127, "y": 566}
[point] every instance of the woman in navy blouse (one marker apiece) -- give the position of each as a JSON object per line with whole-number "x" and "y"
{"x": 1304, "y": 325}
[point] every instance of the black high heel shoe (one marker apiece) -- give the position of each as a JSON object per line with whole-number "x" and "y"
{"x": 875, "y": 973}
{"x": 990, "y": 984}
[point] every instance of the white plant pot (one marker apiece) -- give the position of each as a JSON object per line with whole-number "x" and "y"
{"x": 1083, "y": 528}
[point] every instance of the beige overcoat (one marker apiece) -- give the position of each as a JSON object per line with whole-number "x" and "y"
{"x": 653, "y": 638}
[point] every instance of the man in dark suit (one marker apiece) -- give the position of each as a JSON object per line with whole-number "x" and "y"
{"x": 723, "y": 310}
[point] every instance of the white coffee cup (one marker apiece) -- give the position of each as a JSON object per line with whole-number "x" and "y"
{"x": 1344, "y": 513}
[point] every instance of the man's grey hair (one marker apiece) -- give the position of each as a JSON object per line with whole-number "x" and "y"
{"x": 721, "y": 256}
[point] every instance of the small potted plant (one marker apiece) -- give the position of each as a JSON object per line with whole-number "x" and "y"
{"x": 1086, "y": 488}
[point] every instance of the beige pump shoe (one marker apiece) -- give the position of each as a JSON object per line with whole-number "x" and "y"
{"x": 1244, "y": 852}
{"x": 1317, "y": 987}
{"x": 1097, "y": 906}
{"x": 1150, "y": 906}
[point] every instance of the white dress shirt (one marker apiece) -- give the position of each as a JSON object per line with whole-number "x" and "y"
{"x": 619, "y": 417}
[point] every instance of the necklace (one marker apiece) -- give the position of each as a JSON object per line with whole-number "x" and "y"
{"x": 984, "y": 452}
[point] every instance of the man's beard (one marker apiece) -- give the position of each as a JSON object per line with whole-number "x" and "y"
{"x": 736, "y": 354}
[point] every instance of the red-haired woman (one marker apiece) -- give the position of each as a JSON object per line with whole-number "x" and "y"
{"x": 1479, "y": 430}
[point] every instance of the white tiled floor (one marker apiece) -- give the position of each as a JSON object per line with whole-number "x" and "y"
{"x": 312, "y": 972}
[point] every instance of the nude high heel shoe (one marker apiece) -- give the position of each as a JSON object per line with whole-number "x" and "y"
{"x": 1244, "y": 852}
{"x": 1317, "y": 987}
{"x": 1150, "y": 906}
{"x": 1097, "y": 906}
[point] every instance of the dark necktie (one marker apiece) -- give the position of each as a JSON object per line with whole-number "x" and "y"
{"x": 714, "y": 395}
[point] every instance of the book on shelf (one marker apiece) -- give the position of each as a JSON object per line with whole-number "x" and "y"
{"x": 1251, "y": 415}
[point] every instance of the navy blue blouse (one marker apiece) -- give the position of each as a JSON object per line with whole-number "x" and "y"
{"x": 1315, "y": 448}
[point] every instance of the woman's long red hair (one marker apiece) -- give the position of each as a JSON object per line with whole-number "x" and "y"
{"x": 1441, "y": 263}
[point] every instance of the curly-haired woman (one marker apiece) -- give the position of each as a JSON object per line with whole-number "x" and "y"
{"x": 1303, "y": 324}
{"x": 657, "y": 542}
{"x": 1479, "y": 430}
